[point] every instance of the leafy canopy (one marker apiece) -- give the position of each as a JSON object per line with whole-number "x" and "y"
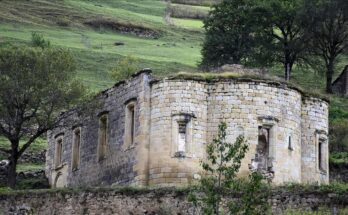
{"x": 232, "y": 34}
{"x": 35, "y": 86}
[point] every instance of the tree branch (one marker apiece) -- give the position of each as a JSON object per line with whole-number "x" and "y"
{"x": 31, "y": 140}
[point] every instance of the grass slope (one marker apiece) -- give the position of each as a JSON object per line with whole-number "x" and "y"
{"x": 62, "y": 22}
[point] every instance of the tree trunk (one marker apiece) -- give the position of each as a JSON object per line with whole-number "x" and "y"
{"x": 11, "y": 177}
{"x": 329, "y": 75}
{"x": 287, "y": 67}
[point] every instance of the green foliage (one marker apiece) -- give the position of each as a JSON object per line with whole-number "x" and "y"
{"x": 37, "y": 40}
{"x": 35, "y": 183}
{"x": 39, "y": 144}
{"x": 5, "y": 190}
{"x": 339, "y": 136}
{"x": 27, "y": 167}
{"x": 339, "y": 159}
{"x": 197, "y": 2}
{"x": 320, "y": 211}
{"x": 125, "y": 68}
{"x": 283, "y": 22}
{"x": 232, "y": 34}
{"x": 327, "y": 23}
{"x": 36, "y": 84}
{"x": 185, "y": 11}
{"x": 254, "y": 197}
{"x": 333, "y": 187}
{"x": 223, "y": 163}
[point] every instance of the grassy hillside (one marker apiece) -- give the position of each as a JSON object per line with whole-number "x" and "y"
{"x": 68, "y": 24}
{"x": 164, "y": 36}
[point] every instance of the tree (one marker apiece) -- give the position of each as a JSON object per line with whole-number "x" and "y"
{"x": 125, "y": 68}
{"x": 35, "y": 86}
{"x": 232, "y": 34}
{"x": 222, "y": 165}
{"x": 283, "y": 21}
{"x": 255, "y": 32}
{"x": 327, "y": 23}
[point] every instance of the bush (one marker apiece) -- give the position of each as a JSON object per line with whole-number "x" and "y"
{"x": 220, "y": 178}
{"x": 63, "y": 22}
{"x": 179, "y": 11}
{"x": 37, "y": 40}
{"x": 338, "y": 160}
{"x": 125, "y": 68}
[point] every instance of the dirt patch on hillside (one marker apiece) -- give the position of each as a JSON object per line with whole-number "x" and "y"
{"x": 128, "y": 28}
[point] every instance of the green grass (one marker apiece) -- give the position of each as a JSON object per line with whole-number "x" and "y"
{"x": 198, "y": 7}
{"x": 188, "y": 23}
{"x": 320, "y": 211}
{"x": 27, "y": 167}
{"x": 177, "y": 49}
{"x": 39, "y": 145}
{"x": 339, "y": 159}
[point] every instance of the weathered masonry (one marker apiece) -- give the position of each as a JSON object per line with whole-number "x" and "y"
{"x": 151, "y": 132}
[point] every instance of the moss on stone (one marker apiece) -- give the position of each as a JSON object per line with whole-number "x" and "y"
{"x": 246, "y": 77}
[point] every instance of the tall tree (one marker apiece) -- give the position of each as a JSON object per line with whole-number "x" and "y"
{"x": 232, "y": 34}
{"x": 327, "y": 22}
{"x": 283, "y": 22}
{"x": 35, "y": 86}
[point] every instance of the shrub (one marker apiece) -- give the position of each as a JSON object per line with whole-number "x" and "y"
{"x": 179, "y": 11}
{"x": 125, "y": 68}
{"x": 223, "y": 163}
{"x": 37, "y": 40}
{"x": 63, "y": 22}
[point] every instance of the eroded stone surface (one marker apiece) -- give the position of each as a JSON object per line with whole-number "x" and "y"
{"x": 174, "y": 119}
{"x": 150, "y": 202}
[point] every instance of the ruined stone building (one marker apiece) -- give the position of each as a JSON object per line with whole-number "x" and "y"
{"x": 340, "y": 85}
{"x": 153, "y": 132}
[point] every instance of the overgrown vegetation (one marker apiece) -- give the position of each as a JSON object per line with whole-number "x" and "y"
{"x": 185, "y": 11}
{"x": 125, "y": 68}
{"x": 319, "y": 211}
{"x": 37, "y": 40}
{"x": 220, "y": 179}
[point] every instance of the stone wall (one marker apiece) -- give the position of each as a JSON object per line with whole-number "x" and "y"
{"x": 245, "y": 106}
{"x": 314, "y": 130}
{"x": 174, "y": 120}
{"x": 159, "y": 201}
{"x": 121, "y": 165}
